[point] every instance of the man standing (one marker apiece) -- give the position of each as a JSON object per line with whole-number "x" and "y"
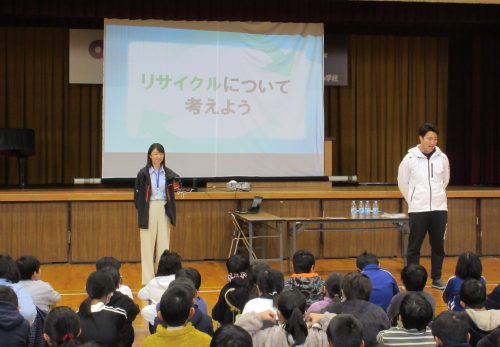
{"x": 423, "y": 176}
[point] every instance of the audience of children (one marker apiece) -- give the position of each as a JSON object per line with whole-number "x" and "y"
{"x": 332, "y": 293}
{"x": 113, "y": 262}
{"x": 450, "y": 329}
{"x": 269, "y": 285}
{"x": 384, "y": 286}
{"x": 176, "y": 307}
{"x": 14, "y": 328}
{"x": 416, "y": 314}
{"x": 304, "y": 278}
{"x": 414, "y": 277}
{"x": 468, "y": 266}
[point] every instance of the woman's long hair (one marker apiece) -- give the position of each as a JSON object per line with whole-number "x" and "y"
{"x": 99, "y": 284}
{"x": 62, "y": 326}
{"x": 292, "y": 305}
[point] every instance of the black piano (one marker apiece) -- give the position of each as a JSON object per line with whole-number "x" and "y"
{"x": 19, "y": 143}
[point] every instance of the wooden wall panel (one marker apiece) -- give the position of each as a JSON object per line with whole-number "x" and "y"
{"x": 104, "y": 229}
{"x": 490, "y": 226}
{"x": 39, "y": 229}
{"x": 338, "y": 244}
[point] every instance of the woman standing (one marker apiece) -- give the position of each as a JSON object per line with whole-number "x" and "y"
{"x": 155, "y": 203}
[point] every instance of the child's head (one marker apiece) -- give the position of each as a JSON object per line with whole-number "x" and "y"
{"x": 108, "y": 261}
{"x": 62, "y": 327}
{"x": 8, "y": 269}
{"x": 303, "y": 262}
{"x": 28, "y": 266}
{"x": 176, "y": 305}
{"x": 99, "y": 285}
{"x": 113, "y": 273}
{"x": 291, "y": 307}
{"x": 356, "y": 286}
{"x": 237, "y": 263}
{"x": 192, "y": 274}
{"x": 186, "y": 283}
{"x": 169, "y": 264}
{"x": 254, "y": 271}
{"x": 7, "y": 294}
{"x": 231, "y": 335}
{"x": 469, "y": 266}
{"x": 415, "y": 311}
{"x": 450, "y": 328}
{"x": 414, "y": 277}
{"x": 333, "y": 285}
{"x": 270, "y": 284}
{"x": 365, "y": 259}
{"x": 345, "y": 330}
{"x": 473, "y": 293}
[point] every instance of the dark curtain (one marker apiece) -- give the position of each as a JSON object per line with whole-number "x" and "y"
{"x": 474, "y": 109}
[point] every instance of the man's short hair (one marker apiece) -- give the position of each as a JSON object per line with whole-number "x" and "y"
{"x": 345, "y": 330}
{"x": 303, "y": 261}
{"x": 169, "y": 264}
{"x": 365, "y": 259}
{"x": 426, "y": 127}
{"x": 451, "y": 327}
{"x": 175, "y": 305}
{"x": 473, "y": 293}
{"x": 237, "y": 263}
{"x": 356, "y": 286}
{"x": 7, "y": 294}
{"x": 415, "y": 311}
{"x": 27, "y": 265}
{"x": 231, "y": 335}
{"x": 414, "y": 277}
{"x": 192, "y": 274}
{"x": 113, "y": 273}
{"x": 107, "y": 261}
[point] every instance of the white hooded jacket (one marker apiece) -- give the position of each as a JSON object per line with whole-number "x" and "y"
{"x": 423, "y": 181}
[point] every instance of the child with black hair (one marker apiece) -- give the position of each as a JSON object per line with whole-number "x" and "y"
{"x": 62, "y": 327}
{"x": 288, "y": 327}
{"x": 345, "y": 331}
{"x": 231, "y": 335}
{"x": 304, "y": 278}
{"x": 176, "y": 307}
{"x": 269, "y": 285}
{"x": 490, "y": 340}
{"x": 253, "y": 275}
{"x": 14, "y": 329}
{"x": 235, "y": 294}
{"x": 113, "y": 262}
{"x": 468, "y": 266}
{"x": 169, "y": 264}
{"x": 450, "y": 329}
{"x": 101, "y": 323}
{"x": 332, "y": 291}
{"x": 416, "y": 314}
{"x": 41, "y": 292}
{"x": 414, "y": 277}
{"x": 194, "y": 275}
{"x": 120, "y": 300}
{"x": 384, "y": 286}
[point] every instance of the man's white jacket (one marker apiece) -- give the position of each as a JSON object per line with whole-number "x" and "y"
{"x": 423, "y": 181}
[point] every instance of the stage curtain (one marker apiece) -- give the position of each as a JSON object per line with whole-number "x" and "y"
{"x": 396, "y": 83}
{"x": 35, "y": 93}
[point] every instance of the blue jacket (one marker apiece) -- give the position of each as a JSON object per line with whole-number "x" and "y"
{"x": 14, "y": 329}
{"x": 451, "y": 294}
{"x": 26, "y": 306}
{"x": 384, "y": 286}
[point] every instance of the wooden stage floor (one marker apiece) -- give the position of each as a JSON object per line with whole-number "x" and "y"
{"x": 69, "y": 279}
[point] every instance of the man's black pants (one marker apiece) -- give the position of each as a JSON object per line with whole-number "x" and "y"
{"x": 433, "y": 222}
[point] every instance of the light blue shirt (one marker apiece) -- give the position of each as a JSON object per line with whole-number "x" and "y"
{"x": 157, "y": 184}
{"x": 26, "y": 306}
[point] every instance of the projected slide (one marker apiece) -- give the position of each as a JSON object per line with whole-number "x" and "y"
{"x": 224, "y": 98}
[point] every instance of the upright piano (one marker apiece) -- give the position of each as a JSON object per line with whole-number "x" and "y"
{"x": 19, "y": 143}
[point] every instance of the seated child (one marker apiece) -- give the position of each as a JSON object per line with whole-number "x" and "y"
{"x": 41, "y": 292}
{"x": 231, "y": 335}
{"x": 195, "y": 277}
{"x": 269, "y": 285}
{"x": 414, "y": 277}
{"x": 450, "y": 328}
{"x": 236, "y": 290}
{"x": 384, "y": 286}
{"x": 14, "y": 329}
{"x": 253, "y": 275}
{"x": 169, "y": 264}
{"x": 176, "y": 306}
{"x": 304, "y": 278}
{"x": 113, "y": 262}
{"x": 332, "y": 291}
{"x": 493, "y": 301}
{"x": 62, "y": 327}
{"x": 468, "y": 266}
{"x": 346, "y": 331}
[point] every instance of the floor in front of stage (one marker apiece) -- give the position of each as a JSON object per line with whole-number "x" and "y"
{"x": 69, "y": 279}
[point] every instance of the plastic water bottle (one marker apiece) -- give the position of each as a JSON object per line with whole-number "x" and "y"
{"x": 361, "y": 208}
{"x": 367, "y": 207}
{"x": 354, "y": 209}
{"x": 375, "y": 209}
